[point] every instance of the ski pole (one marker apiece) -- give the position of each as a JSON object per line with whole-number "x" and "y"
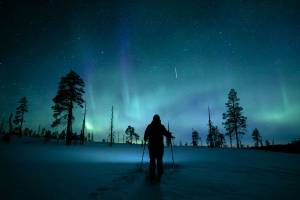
{"x": 143, "y": 155}
{"x": 172, "y": 151}
{"x": 171, "y": 145}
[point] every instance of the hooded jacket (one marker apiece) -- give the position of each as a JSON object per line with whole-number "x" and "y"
{"x": 155, "y": 133}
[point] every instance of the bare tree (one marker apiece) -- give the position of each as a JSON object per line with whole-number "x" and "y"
{"x": 111, "y": 135}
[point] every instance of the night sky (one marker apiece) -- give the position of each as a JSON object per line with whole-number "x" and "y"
{"x": 174, "y": 58}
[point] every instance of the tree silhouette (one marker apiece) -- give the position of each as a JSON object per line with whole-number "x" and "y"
{"x": 19, "y": 116}
{"x": 70, "y": 92}
{"x": 43, "y": 132}
{"x": 256, "y": 137}
{"x": 235, "y": 122}
{"x": 210, "y": 136}
{"x": 6, "y": 136}
{"x": 111, "y": 134}
{"x": 195, "y": 138}
{"x": 215, "y": 138}
{"x": 136, "y": 136}
{"x": 130, "y": 134}
{"x": 220, "y": 140}
{"x": 82, "y": 133}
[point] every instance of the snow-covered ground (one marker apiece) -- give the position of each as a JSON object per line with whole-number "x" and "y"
{"x": 34, "y": 170}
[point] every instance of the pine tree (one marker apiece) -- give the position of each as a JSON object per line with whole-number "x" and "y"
{"x": 215, "y": 138}
{"x": 210, "y": 137}
{"x": 220, "y": 139}
{"x": 235, "y": 122}
{"x": 19, "y": 116}
{"x": 70, "y": 92}
{"x": 130, "y": 134}
{"x": 256, "y": 137}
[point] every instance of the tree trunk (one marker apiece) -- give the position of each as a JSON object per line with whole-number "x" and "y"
{"x": 21, "y": 125}
{"x": 69, "y": 125}
{"x": 235, "y": 126}
{"x": 237, "y": 137}
{"x": 10, "y": 124}
{"x": 230, "y": 137}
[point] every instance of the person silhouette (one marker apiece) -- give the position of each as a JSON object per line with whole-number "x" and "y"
{"x": 154, "y": 135}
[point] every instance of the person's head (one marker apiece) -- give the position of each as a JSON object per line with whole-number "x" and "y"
{"x": 156, "y": 119}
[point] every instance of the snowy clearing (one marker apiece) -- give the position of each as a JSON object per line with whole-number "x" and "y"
{"x": 96, "y": 171}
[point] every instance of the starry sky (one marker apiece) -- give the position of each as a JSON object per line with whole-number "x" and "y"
{"x": 174, "y": 58}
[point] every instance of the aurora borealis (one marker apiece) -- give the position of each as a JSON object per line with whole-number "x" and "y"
{"x": 174, "y": 58}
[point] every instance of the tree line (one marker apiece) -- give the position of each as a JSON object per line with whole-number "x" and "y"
{"x": 70, "y": 95}
{"x": 234, "y": 123}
